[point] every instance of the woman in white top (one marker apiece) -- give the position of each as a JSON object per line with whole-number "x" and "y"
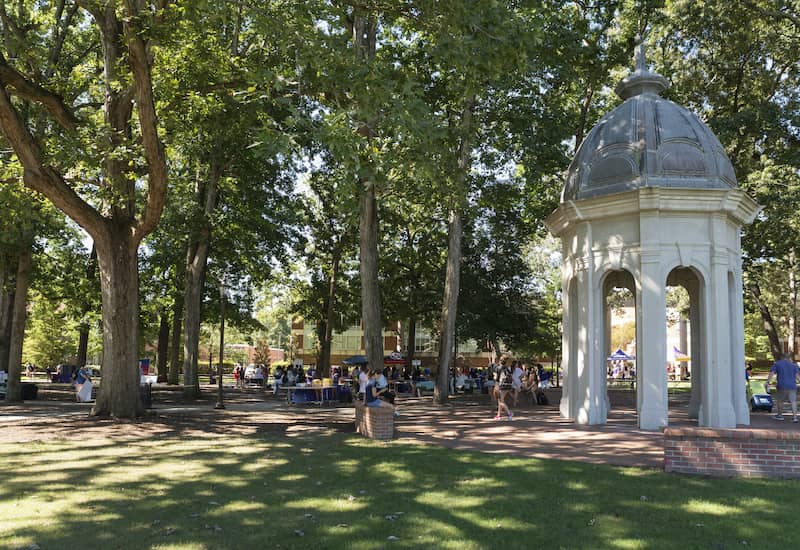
{"x": 516, "y": 380}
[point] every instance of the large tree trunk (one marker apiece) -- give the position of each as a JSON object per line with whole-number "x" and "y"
{"x": 327, "y": 338}
{"x": 497, "y": 351}
{"x": 196, "y": 261}
{"x": 412, "y": 340}
{"x": 364, "y": 27}
{"x": 22, "y": 282}
{"x": 370, "y": 292}
{"x": 115, "y": 229}
{"x": 83, "y": 334}
{"x": 769, "y": 323}
{"x": 193, "y": 297}
{"x": 449, "y": 306}
{"x": 792, "y": 303}
{"x": 163, "y": 346}
{"x": 452, "y": 283}
{"x": 119, "y": 286}
{"x": 175, "y": 346}
{"x": 6, "y": 312}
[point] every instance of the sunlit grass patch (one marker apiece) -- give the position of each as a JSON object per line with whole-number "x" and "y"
{"x": 330, "y": 490}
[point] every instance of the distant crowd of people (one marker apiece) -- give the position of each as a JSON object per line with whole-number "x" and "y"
{"x": 513, "y": 378}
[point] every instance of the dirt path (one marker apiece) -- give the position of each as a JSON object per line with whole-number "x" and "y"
{"x": 466, "y": 423}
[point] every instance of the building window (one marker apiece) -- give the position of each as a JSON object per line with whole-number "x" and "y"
{"x": 347, "y": 341}
{"x": 422, "y": 342}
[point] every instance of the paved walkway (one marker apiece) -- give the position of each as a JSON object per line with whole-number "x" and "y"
{"x": 465, "y": 423}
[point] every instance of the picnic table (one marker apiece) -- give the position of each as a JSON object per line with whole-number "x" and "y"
{"x": 401, "y": 386}
{"x": 312, "y": 394}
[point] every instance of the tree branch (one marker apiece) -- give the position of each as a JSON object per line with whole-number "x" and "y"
{"x": 61, "y": 31}
{"x": 43, "y": 178}
{"x": 148, "y": 120}
{"x": 33, "y": 92}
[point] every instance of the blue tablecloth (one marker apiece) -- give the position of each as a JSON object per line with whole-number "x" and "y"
{"x": 309, "y": 394}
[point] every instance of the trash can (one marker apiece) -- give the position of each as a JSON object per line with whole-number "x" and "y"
{"x": 29, "y": 391}
{"x": 146, "y": 393}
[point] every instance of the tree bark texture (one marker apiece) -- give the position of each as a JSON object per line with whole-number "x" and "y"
{"x": 163, "y": 346}
{"x": 792, "y": 321}
{"x": 364, "y": 27}
{"x": 6, "y": 311}
{"x": 119, "y": 287}
{"x": 449, "y": 306}
{"x": 368, "y": 267}
{"x": 769, "y": 323}
{"x": 452, "y": 283}
{"x": 83, "y": 335}
{"x": 196, "y": 262}
{"x": 116, "y": 230}
{"x": 412, "y": 340}
{"x": 193, "y": 297}
{"x": 175, "y": 345}
{"x": 327, "y": 338}
{"x": 22, "y": 282}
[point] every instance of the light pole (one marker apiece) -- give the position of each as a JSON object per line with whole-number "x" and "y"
{"x": 220, "y": 404}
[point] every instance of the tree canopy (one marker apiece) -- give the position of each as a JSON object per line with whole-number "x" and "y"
{"x": 372, "y": 160}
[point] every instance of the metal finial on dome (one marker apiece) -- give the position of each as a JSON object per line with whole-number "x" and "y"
{"x": 640, "y": 61}
{"x": 641, "y": 80}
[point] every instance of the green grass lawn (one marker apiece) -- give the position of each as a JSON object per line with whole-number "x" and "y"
{"x": 342, "y": 491}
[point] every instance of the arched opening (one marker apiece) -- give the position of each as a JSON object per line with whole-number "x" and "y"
{"x": 684, "y": 366}
{"x": 619, "y": 338}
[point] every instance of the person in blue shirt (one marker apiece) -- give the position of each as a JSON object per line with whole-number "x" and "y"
{"x": 83, "y": 386}
{"x": 787, "y": 375}
{"x": 372, "y": 393}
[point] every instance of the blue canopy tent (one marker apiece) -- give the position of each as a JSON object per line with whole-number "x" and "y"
{"x": 355, "y": 360}
{"x": 362, "y": 360}
{"x": 620, "y": 355}
{"x": 678, "y": 356}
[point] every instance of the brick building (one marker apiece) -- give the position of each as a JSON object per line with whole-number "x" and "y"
{"x": 351, "y": 342}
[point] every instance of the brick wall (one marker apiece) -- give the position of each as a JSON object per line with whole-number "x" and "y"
{"x": 375, "y": 422}
{"x": 747, "y": 453}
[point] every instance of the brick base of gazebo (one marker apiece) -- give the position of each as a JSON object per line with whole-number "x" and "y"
{"x": 741, "y": 452}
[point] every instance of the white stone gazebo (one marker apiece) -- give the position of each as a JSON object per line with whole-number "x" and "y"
{"x": 651, "y": 201}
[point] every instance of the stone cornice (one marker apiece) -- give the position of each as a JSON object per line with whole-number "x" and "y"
{"x": 733, "y": 203}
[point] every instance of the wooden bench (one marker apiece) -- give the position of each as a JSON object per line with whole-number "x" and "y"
{"x": 375, "y": 422}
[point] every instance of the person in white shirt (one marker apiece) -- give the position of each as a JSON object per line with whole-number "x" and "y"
{"x": 516, "y": 380}
{"x": 363, "y": 379}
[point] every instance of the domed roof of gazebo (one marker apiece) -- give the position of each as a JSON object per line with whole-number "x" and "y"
{"x": 648, "y": 141}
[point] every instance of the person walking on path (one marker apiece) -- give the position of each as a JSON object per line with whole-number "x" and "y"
{"x": 503, "y": 387}
{"x": 787, "y": 375}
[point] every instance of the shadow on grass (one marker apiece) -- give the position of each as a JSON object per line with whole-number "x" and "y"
{"x": 257, "y": 489}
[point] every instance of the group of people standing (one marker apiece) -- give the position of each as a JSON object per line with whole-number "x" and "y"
{"x": 513, "y": 378}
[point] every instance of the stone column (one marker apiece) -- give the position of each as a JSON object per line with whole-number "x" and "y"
{"x": 597, "y": 412}
{"x": 651, "y": 374}
{"x": 606, "y": 343}
{"x": 568, "y": 340}
{"x": 740, "y": 404}
{"x": 584, "y": 402}
{"x": 696, "y": 353}
{"x": 716, "y": 409}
